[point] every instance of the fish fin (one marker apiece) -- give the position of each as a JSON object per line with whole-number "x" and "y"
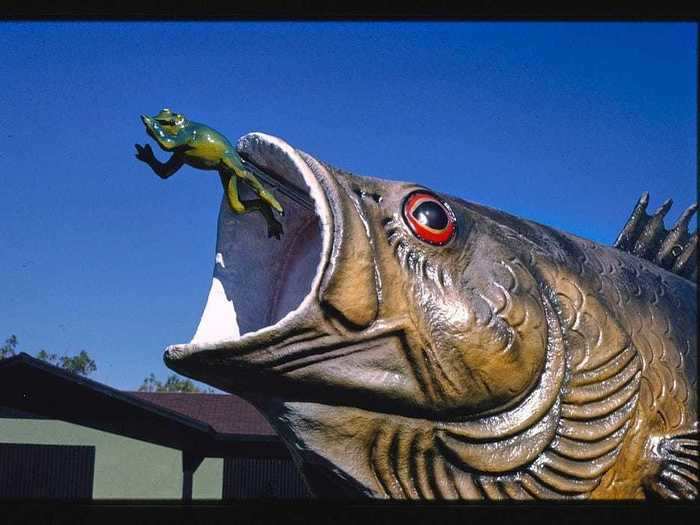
{"x": 645, "y": 236}
{"x": 677, "y": 477}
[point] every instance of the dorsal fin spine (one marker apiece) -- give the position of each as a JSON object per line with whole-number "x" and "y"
{"x": 646, "y": 237}
{"x": 652, "y": 233}
{"x": 672, "y": 246}
{"x": 634, "y": 225}
{"x": 686, "y": 264}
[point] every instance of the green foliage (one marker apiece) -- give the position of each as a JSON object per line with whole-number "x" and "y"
{"x": 173, "y": 383}
{"x": 9, "y": 348}
{"x": 81, "y": 363}
{"x": 49, "y": 358}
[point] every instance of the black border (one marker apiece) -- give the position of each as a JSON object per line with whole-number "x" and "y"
{"x": 350, "y": 11}
{"x": 343, "y": 512}
{"x": 329, "y": 511}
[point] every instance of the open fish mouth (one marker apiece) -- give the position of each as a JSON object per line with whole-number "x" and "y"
{"x": 263, "y": 290}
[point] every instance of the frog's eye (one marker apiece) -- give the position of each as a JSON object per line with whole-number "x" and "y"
{"x": 430, "y": 219}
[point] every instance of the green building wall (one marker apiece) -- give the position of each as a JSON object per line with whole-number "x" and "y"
{"x": 124, "y": 467}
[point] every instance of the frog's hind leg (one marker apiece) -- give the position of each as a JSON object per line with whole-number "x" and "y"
{"x": 231, "y": 189}
{"x": 254, "y": 183}
{"x": 274, "y": 228}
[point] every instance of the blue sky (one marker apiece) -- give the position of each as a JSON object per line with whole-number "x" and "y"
{"x": 562, "y": 123}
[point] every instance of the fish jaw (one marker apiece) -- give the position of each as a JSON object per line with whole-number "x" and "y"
{"x": 268, "y": 299}
{"x": 248, "y": 268}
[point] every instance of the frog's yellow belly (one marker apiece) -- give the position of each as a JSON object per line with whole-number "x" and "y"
{"x": 205, "y": 156}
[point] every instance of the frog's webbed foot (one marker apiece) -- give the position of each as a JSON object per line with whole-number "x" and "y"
{"x": 264, "y": 204}
{"x": 162, "y": 169}
{"x": 145, "y": 153}
{"x": 274, "y": 228}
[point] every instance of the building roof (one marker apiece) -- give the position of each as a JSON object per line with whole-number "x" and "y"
{"x": 214, "y": 424}
{"x": 225, "y": 413}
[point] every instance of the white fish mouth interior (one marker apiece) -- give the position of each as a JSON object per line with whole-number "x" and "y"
{"x": 260, "y": 281}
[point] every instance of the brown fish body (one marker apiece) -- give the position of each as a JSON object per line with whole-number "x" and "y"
{"x": 415, "y": 346}
{"x": 611, "y": 305}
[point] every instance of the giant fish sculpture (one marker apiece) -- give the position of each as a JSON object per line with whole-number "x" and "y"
{"x": 411, "y": 345}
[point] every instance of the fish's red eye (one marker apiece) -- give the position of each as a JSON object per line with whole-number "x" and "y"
{"x": 430, "y": 219}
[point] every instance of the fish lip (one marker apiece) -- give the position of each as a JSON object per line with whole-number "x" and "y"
{"x": 262, "y": 151}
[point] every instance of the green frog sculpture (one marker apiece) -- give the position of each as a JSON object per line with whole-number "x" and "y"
{"x": 202, "y": 147}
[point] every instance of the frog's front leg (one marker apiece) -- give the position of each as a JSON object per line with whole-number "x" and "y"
{"x": 162, "y": 169}
{"x": 230, "y": 183}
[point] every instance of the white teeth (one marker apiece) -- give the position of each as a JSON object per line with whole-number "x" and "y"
{"x": 218, "y": 321}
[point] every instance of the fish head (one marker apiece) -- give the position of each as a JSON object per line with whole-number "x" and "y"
{"x": 326, "y": 313}
{"x": 384, "y": 301}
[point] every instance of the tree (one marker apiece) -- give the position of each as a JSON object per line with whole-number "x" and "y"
{"x": 49, "y": 358}
{"x": 81, "y": 363}
{"x": 173, "y": 383}
{"x": 9, "y": 348}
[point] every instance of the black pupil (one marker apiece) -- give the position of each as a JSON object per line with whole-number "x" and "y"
{"x": 431, "y": 214}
